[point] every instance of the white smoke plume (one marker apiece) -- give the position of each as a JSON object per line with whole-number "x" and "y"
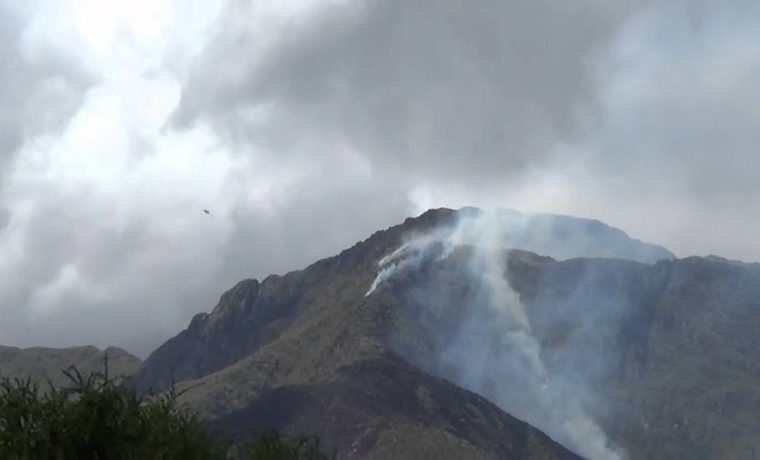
{"x": 549, "y": 402}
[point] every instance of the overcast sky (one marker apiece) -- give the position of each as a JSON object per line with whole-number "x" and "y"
{"x": 304, "y": 126}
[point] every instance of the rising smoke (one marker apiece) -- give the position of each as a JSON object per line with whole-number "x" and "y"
{"x": 492, "y": 348}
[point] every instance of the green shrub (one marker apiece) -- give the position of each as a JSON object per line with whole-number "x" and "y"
{"x": 100, "y": 417}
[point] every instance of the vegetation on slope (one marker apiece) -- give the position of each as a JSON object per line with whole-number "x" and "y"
{"x": 100, "y": 417}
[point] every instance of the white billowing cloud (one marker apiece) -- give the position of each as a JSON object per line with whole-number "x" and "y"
{"x": 103, "y": 237}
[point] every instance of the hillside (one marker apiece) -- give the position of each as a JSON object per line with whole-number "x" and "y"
{"x": 41, "y": 364}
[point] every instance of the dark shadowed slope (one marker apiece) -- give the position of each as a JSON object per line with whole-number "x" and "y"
{"x": 385, "y": 408}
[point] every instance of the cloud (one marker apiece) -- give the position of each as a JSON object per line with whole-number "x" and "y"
{"x": 450, "y": 89}
{"x": 40, "y": 87}
{"x": 672, "y": 137}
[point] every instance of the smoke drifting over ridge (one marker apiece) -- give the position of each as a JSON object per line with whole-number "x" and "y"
{"x": 456, "y": 279}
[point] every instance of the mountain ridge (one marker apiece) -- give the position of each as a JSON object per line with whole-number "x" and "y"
{"x": 45, "y": 364}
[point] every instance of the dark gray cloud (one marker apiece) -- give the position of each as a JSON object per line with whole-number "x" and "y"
{"x": 670, "y": 147}
{"x": 444, "y": 89}
{"x": 638, "y": 112}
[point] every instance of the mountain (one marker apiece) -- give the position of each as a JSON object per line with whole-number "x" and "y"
{"x": 43, "y": 364}
{"x": 254, "y": 313}
{"x": 311, "y": 352}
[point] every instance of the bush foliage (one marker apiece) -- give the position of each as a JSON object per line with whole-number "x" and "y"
{"x": 100, "y": 417}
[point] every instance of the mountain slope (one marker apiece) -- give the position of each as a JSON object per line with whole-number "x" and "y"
{"x": 384, "y": 408}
